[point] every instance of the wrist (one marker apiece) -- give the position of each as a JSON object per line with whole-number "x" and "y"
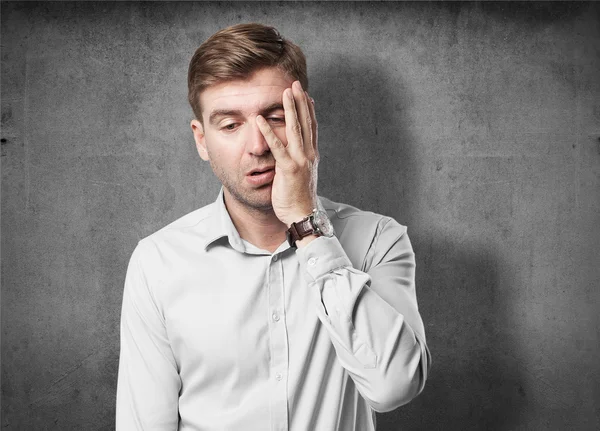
{"x": 297, "y": 216}
{"x": 309, "y": 228}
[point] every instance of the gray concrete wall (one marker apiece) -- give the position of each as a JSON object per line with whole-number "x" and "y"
{"x": 477, "y": 125}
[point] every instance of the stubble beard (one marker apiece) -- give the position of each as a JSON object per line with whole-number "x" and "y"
{"x": 245, "y": 198}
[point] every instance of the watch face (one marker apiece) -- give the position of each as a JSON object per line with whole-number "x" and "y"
{"x": 322, "y": 223}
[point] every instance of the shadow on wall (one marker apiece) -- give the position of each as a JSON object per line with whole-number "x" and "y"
{"x": 475, "y": 382}
{"x": 365, "y": 159}
{"x": 368, "y": 160}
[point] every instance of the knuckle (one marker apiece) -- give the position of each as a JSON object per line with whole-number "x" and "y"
{"x": 309, "y": 124}
{"x": 294, "y": 169}
{"x": 303, "y": 164}
{"x": 296, "y": 129}
{"x": 269, "y": 131}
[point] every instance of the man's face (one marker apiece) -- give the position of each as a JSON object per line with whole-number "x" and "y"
{"x": 231, "y": 140}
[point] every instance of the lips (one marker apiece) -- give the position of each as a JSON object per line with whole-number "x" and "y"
{"x": 259, "y": 171}
{"x": 261, "y": 176}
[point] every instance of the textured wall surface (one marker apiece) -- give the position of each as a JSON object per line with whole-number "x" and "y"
{"x": 477, "y": 125}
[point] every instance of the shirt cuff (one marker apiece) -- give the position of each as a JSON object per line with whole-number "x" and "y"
{"x": 320, "y": 257}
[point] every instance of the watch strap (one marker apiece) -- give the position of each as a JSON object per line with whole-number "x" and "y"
{"x": 299, "y": 230}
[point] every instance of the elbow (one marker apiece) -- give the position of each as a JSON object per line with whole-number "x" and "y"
{"x": 400, "y": 384}
{"x": 393, "y": 392}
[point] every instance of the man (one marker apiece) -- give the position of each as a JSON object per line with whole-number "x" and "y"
{"x": 272, "y": 308}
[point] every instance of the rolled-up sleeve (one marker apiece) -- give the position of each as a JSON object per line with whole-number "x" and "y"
{"x": 148, "y": 382}
{"x": 372, "y": 316}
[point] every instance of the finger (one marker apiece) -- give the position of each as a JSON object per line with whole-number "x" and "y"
{"x": 277, "y": 147}
{"x": 293, "y": 129}
{"x": 303, "y": 114}
{"x": 314, "y": 128}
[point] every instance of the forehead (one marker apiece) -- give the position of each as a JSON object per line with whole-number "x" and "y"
{"x": 262, "y": 88}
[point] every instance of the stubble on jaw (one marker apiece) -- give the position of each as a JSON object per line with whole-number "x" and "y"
{"x": 252, "y": 205}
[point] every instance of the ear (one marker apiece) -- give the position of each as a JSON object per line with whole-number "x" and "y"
{"x": 198, "y": 131}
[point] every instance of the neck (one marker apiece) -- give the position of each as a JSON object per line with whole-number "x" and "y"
{"x": 260, "y": 227}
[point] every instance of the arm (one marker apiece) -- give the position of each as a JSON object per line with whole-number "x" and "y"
{"x": 148, "y": 384}
{"x": 372, "y": 317}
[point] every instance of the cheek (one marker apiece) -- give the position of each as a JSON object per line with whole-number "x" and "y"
{"x": 223, "y": 152}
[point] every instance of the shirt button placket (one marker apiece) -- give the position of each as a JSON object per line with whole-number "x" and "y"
{"x": 279, "y": 345}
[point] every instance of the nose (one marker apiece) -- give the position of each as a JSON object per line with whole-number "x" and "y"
{"x": 256, "y": 143}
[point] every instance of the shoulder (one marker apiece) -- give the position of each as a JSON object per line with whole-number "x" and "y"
{"x": 189, "y": 221}
{"x": 190, "y": 230}
{"x": 164, "y": 262}
{"x": 363, "y": 233}
{"x": 345, "y": 216}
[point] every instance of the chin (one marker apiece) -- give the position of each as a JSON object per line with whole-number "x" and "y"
{"x": 262, "y": 204}
{"x": 257, "y": 199}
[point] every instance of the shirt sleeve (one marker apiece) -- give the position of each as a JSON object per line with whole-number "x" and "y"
{"x": 372, "y": 317}
{"x": 148, "y": 382}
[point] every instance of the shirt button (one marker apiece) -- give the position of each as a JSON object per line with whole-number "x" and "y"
{"x": 312, "y": 261}
{"x": 275, "y": 258}
{"x": 275, "y": 317}
{"x": 278, "y": 377}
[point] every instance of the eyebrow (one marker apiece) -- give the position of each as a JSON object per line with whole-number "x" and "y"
{"x": 236, "y": 112}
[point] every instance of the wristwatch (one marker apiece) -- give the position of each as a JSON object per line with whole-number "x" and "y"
{"x": 316, "y": 223}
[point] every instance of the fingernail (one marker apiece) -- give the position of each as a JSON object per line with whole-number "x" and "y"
{"x": 260, "y": 120}
{"x": 290, "y": 95}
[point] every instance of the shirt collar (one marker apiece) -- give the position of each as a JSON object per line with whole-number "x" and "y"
{"x": 221, "y": 226}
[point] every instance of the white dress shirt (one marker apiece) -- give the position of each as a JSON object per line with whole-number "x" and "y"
{"x": 217, "y": 334}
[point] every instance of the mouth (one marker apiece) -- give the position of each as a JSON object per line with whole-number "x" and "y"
{"x": 261, "y": 176}
{"x": 260, "y": 171}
